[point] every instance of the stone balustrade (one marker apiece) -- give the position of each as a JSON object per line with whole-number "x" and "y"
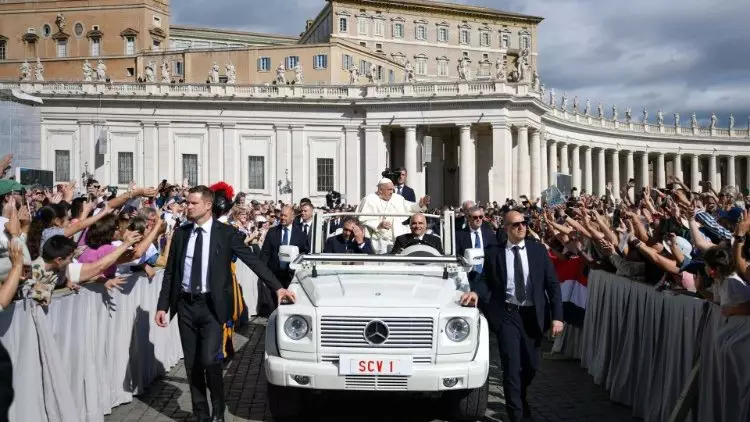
{"x": 365, "y": 92}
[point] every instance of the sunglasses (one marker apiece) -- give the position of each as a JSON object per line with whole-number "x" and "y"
{"x": 476, "y": 217}
{"x": 519, "y": 224}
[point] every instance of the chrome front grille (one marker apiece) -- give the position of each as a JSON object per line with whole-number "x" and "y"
{"x": 416, "y": 360}
{"x": 404, "y": 332}
{"x": 376, "y": 382}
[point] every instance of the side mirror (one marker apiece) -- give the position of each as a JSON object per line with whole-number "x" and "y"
{"x": 288, "y": 253}
{"x": 474, "y": 256}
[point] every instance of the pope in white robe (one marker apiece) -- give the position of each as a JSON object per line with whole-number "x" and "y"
{"x": 384, "y": 230}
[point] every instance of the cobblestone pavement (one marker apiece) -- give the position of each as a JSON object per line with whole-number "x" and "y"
{"x": 561, "y": 391}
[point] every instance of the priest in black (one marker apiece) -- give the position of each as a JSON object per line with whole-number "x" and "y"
{"x": 197, "y": 286}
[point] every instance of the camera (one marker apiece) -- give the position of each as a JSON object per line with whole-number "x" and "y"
{"x": 392, "y": 174}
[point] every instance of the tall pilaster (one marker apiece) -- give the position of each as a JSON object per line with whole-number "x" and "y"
{"x": 536, "y": 170}
{"x": 300, "y": 163}
{"x": 524, "y": 179}
{"x": 352, "y": 149}
{"x": 629, "y": 166}
{"x": 467, "y": 185}
{"x": 588, "y": 173}
{"x": 231, "y": 154}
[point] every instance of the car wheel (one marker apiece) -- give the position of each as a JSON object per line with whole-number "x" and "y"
{"x": 467, "y": 405}
{"x": 287, "y": 404}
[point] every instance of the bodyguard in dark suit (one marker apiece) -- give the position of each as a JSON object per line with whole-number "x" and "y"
{"x": 286, "y": 233}
{"x": 477, "y": 234}
{"x": 401, "y": 188}
{"x": 418, "y": 225}
{"x": 518, "y": 279}
{"x": 197, "y": 286}
{"x": 351, "y": 240}
{"x": 304, "y": 222}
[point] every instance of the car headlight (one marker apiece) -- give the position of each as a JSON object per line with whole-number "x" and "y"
{"x": 296, "y": 327}
{"x": 457, "y": 329}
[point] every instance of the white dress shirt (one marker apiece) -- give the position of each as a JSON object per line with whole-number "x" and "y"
{"x": 288, "y": 235}
{"x": 186, "y": 269}
{"x": 510, "y": 288}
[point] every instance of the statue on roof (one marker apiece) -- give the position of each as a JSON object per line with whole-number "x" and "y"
{"x": 409, "y": 72}
{"x": 298, "y": 76}
{"x": 587, "y": 110}
{"x": 353, "y": 75}
{"x": 231, "y": 73}
{"x": 25, "y": 71}
{"x": 165, "y": 77}
{"x": 213, "y": 74}
{"x": 660, "y": 118}
{"x": 101, "y": 71}
{"x": 281, "y": 74}
{"x": 88, "y": 72}
{"x": 500, "y": 73}
{"x": 150, "y": 71}
{"x": 39, "y": 70}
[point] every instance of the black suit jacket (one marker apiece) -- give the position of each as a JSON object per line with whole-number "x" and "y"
{"x": 298, "y": 223}
{"x": 491, "y": 286}
{"x": 337, "y": 244}
{"x": 226, "y": 243}
{"x": 269, "y": 253}
{"x": 407, "y": 193}
{"x": 408, "y": 239}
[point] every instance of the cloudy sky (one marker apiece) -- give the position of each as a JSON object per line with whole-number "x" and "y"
{"x": 675, "y": 55}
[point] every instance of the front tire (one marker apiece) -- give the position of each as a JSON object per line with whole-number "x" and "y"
{"x": 467, "y": 405}
{"x": 287, "y": 404}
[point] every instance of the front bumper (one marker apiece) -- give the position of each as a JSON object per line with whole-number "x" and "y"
{"x": 325, "y": 376}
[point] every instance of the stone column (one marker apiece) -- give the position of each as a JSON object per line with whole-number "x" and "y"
{"x": 502, "y": 162}
{"x": 552, "y": 163}
{"x": 643, "y": 173}
{"x": 601, "y": 183}
{"x": 410, "y": 153}
{"x": 712, "y": 173}
{"x": 467, "y": 186}
{"x": 588, "y": 173}
{"x": 695, "y": 173}
{"x": 564, "y": 167}
{"x": 677, "y": 160}
{"x": 283, "y": 162}
{"x": 536, "y": 170}
{"x": 374, "y": 159}
{"x": 747, "y": 172}
{"x": 436, "y": 169}
{"x": 615, "y": 158}
{"x": 544, "y": 176}
{"x": 577, "y": 167}
{"x": 353, "y": 169}
{"x": 524, "y": 179}
{"x": 629, "y": 166}
{"x": 660, "y": 171}
{"x": 731, "y": 179}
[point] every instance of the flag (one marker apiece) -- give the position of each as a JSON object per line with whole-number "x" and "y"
{"x": 573, "y": 286}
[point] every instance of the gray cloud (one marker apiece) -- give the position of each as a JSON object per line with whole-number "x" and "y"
{"x": 674, "y": 55}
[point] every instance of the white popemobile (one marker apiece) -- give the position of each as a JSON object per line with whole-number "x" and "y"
{"x": 379, "y": 323}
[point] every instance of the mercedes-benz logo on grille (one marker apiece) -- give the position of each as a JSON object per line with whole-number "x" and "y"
{"x": 376, "y": 332}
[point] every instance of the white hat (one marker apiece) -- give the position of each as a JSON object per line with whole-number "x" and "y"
{"x": 384, "y": 181}
{"x": 683, "y": 244}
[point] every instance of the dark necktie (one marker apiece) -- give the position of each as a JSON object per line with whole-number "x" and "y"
{"x": 518, "y": 276}
{"x": 478, "y": 245}
{"x": 305, "y": 227}
{"x": 196, "y": 273}
{"x": 285, "y": 241}
{"x": 399, "y": 190}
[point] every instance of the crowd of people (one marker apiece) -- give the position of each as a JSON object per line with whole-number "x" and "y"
{"x": 676, "y": 238}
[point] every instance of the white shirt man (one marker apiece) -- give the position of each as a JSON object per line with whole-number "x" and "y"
{"x": 510, "y": 289}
